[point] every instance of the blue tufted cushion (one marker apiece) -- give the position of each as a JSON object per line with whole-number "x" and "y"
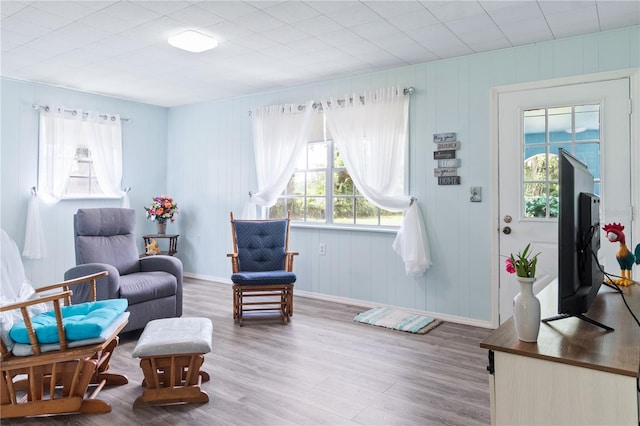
{"x": 261, "y": 245}
{"x": 264, "y": 278}
{"x": 82, "y": 321}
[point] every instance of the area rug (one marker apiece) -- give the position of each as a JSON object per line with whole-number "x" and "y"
{"x": 398, "y": 320}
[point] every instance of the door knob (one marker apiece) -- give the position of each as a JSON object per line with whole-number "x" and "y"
{"x": 506, "y": 230}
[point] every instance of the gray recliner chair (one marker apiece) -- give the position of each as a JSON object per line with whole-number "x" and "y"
{"x": 105, "y": 240}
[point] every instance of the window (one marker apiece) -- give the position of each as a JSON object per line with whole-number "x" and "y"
{"x": 76, "y": 151}
{"x": 82, "y": 179}
{"x": 574, "y": 128}
{"x": 321, "y": 191}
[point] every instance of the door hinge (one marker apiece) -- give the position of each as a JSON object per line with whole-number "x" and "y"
{"x": 491, "y": 367}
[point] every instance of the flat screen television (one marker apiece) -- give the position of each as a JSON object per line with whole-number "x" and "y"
{"x": 579, "y": 273}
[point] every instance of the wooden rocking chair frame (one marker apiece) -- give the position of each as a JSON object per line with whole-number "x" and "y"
{"x": 255, "y": 298}
{"x": 56, "y": 382}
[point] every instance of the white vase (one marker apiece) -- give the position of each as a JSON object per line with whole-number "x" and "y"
{"x": 526, "y": 311}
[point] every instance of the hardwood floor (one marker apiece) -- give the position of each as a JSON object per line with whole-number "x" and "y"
{"x": 320, "y": 369}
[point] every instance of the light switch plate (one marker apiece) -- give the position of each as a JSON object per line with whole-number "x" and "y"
{"x": 476, "y": 194}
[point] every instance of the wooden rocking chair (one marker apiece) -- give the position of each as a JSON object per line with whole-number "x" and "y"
{"x": 262, "y": 267}
{"x": 55, "y": 378}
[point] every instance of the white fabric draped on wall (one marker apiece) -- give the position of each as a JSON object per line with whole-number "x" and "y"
{"x": 371, "y": 135}
{"x": 60, "y": 134}
{"x": 280, "y": 133}
{"x": 34, "y": 244}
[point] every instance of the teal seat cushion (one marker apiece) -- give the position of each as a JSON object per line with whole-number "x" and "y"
{"x": 83, "y": 321}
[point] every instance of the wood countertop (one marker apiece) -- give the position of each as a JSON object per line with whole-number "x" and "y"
{"x": 577, "y": 342}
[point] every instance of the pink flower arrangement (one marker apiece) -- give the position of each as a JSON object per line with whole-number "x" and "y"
{"x": 523, "y": 264}
{"x": 162, "y": 208}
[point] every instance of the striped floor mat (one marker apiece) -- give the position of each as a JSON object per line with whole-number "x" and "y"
{"x": 398, "y": 320}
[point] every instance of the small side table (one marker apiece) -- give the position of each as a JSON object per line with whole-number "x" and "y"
{"x": 173, "y": 242}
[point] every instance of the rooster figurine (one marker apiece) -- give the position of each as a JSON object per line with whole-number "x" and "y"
{"x": 625, "y": 258}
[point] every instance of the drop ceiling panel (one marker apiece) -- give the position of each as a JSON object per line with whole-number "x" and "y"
{"x": 119, "y": 48}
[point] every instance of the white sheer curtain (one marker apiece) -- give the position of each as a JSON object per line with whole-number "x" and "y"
{"x": 104, "y": 137}
{"x": 59, "y": 137}
{"x": 371, "y": 135}
{"x": 60, "y": 134}
{"x": 280, "y": 133}
{"x": 34, "y": 245}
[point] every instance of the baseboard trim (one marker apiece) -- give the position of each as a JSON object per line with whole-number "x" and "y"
{"x": 357, "y": 302}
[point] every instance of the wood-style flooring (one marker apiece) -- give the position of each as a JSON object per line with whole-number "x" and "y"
{"x": 320, "y": 369}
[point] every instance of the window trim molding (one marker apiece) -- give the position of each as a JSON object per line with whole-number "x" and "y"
{"x": 386, "y": 229}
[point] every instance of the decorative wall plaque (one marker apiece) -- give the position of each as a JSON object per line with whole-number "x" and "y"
{"x": 445, "y": 172}
{"x": 445, "y": 154}
{"x": 440, "y": 155}
{"x": 449, "y": 180}
{"x": 448, "y": 145}
{"x": 444, "y": 137}
{"x": 454, "y": 162}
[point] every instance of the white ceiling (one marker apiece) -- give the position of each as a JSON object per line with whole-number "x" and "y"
{"x": 119, "y": 48}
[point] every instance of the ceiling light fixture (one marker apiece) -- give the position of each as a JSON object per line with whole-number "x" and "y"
{"x": 193, "y": 41}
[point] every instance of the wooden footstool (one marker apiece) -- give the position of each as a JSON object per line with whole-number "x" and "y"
{"x": 171, "y": 352}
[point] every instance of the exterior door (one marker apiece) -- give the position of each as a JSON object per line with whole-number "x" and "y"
{"x": 590, "y": 120}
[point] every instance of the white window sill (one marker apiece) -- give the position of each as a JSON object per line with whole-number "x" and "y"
{"x": 90, "y": 197}
{"x": 334, "y": 227}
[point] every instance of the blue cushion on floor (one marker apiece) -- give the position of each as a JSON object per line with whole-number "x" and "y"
{"x": 264, "y": 278}
{"x": 82, "y": 321}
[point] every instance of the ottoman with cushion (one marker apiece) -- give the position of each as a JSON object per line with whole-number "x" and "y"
{"x": 171, "y": 352}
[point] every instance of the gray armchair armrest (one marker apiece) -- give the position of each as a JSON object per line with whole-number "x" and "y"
{"x": 168, "y": 264}
{"x": 106, "y": 287}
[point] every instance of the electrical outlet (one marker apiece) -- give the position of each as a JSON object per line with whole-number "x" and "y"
{"x": 322, "y": 249}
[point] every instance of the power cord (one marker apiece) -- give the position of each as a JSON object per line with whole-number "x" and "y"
{"x": 611, "y": 283}
{"x": 616, "y": 287}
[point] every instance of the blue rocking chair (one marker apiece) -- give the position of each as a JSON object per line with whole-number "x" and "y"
{"x": 262, "y": 267}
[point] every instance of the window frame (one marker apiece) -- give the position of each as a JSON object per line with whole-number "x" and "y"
{"x": 549, "y": 146}
{"x": 329, "y": 194}
{"x": 83, "y": 143}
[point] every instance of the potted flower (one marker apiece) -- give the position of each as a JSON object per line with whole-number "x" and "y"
{"x": 522, "y": 264}
{"x": 526, "y": 306}
{"x": 161, "y": 210}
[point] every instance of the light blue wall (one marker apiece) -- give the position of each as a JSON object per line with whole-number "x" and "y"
{"x": 210, "y": 147}
{"x": 202, "y": 155}
{"x": 145, "y": 168}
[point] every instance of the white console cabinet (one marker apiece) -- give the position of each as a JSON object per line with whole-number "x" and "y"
{"x": 576, "y": 374}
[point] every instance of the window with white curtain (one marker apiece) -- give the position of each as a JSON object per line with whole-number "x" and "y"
{"x": 80, "y": 154}
{"x": 321, "y": 190}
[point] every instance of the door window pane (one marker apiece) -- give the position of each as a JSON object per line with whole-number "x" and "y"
{"x": 588, "y": 122}
{"x": 560, "y": 124}
{"x": 574, "y": 128}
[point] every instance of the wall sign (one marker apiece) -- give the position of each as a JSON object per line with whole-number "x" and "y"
{"x": 448, "y": 145}
{"x": 445, "y": 172}
{"x": 453, "y": 162}
{"x": 449, "y": 180}
{"x": 444, "y": 137}
{"x": 441, "y": 155}
{"x": 445, "y": 154}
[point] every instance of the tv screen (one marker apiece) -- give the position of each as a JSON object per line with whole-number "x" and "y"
{"x": 579, "y": 274}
